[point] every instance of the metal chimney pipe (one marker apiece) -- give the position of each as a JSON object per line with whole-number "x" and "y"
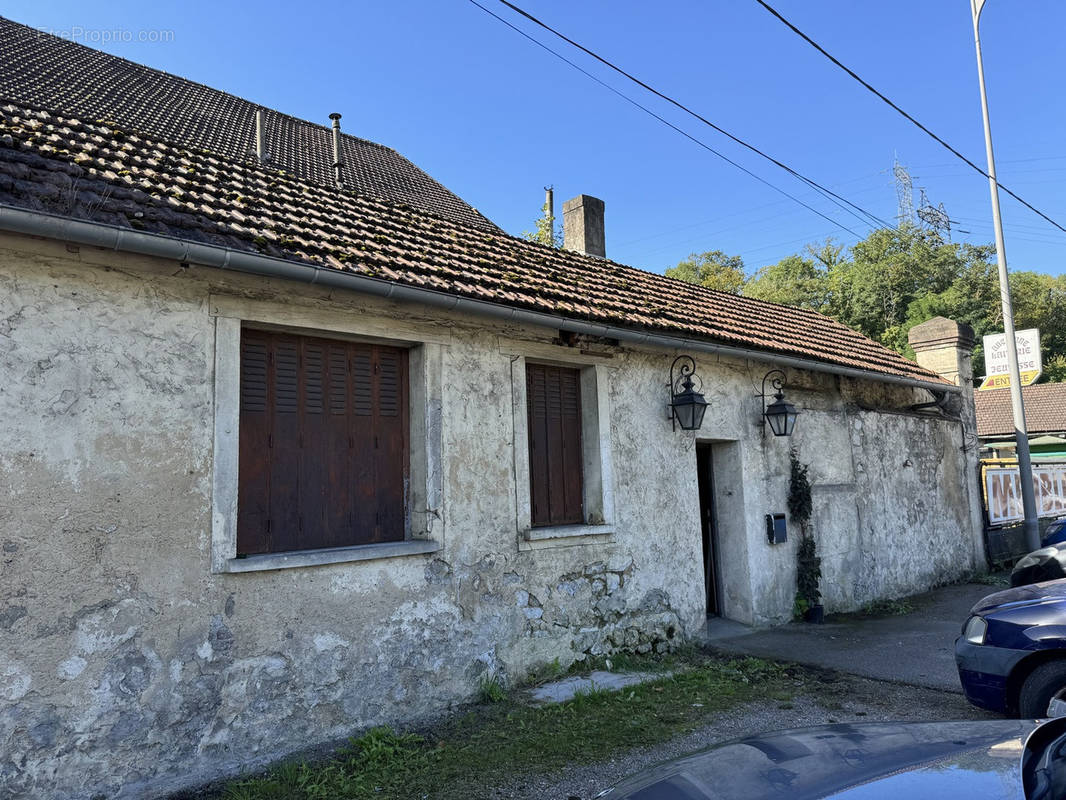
{"x": 337, "y": 149}
{"x": 549, "y": 209}
{"x": 260, "y": 136}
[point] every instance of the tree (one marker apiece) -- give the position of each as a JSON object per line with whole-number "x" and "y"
{"x": 712, "y": 269}
{"x": 888, "y": 270}
{"x": 792, "y": 281}
{"x": 895, "y": 279}
{"x": 547, "y": 231}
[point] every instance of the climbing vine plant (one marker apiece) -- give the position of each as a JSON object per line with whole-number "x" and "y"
{"x": 809, "y": 565}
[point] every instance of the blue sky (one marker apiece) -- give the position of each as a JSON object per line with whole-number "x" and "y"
{"x": 495, "y": 118}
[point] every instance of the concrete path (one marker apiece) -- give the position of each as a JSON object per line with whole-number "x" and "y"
{"x": 567, "y": 688}
{"x": 915, "y": 648}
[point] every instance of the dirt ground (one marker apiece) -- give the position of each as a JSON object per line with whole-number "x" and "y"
{"x": 830, "y": 697}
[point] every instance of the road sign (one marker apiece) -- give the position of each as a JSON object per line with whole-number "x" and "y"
{"x": 1003, "y": 381}
{"x": 1029, "y": 358}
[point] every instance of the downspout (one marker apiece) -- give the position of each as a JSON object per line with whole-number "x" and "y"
{"x": 113, "y": 237}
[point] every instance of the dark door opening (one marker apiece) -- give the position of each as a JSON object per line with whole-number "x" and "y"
{"x": 705, "y": 479}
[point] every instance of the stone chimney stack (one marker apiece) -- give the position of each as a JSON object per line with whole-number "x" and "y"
{"x": 583, "y": 226}
{"x": 944, "y": 347}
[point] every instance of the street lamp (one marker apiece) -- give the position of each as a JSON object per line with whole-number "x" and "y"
{"x": 1021, "y": 434}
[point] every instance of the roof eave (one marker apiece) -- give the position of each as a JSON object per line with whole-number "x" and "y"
{"x": 97, "y": 234}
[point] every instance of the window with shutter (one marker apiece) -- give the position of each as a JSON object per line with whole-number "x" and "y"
{"x": 553, "y": 397}
{"x": 323, "y": 458}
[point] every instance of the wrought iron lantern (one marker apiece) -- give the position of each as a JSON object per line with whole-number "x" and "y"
{"x": 780, "y": 415}
{"x": 686, "y": 404}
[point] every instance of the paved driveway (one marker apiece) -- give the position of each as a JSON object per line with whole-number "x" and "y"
{"x": 915, "y": 648}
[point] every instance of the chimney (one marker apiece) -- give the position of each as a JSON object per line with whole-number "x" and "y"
{"x": 260, "y": 136}
{"x": 583, "y": 226}
{"x": 337, "y": 149}
{"x": 944, "y": 347}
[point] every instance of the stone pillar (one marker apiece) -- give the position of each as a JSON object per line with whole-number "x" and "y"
{"x": 945, "y": 347}
{"x": 583, "y": 226}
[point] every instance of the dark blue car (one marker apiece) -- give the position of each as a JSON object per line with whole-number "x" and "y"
{"x": 1055, "y": 533}
{"x": 1012, "y": 652}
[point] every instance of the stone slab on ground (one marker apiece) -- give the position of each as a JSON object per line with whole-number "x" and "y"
{"x": 917, "y": 648}
{"x": 566, "y": 689}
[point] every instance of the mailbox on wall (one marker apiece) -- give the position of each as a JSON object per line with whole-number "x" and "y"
{"x": 776, "y": 528}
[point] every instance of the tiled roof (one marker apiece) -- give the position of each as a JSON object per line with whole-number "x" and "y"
{"x": 66, "y": 166}
{"x": 149, "y": 177}
{"x": 1045, "y": 410}
{"x": 44, "y": 71}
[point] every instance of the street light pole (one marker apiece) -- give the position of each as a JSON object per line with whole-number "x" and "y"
{"x": 1021, "y": 434}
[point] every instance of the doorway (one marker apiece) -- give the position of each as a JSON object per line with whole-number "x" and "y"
{"x": 708, "y": 525}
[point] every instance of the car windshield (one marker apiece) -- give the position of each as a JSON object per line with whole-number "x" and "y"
{"x": 1044, "y": 761}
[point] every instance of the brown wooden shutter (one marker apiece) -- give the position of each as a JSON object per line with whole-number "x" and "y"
{"x": 253, "y": 490}
{"x": 323, "y": 443}
{"x": 553, "y": 402}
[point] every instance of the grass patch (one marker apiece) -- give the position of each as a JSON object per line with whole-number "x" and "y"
{"x": 887, "y": 608}
{"x": 461, "y": 758}
{"x": 992, "y": 578}
{"x": 490, "y": 690}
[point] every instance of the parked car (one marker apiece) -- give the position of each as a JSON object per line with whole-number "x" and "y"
{"x": 1012, "y": 652}
{"x": 1046, "y": 564}
{"x": 989, "y": 760}
{"x": 1055, "y": 533}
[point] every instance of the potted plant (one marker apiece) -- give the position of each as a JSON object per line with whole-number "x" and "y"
{"x": 808, "y": 603}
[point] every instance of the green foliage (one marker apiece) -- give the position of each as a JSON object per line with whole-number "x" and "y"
{"x": 888, "y": 271}
{"x": 991, "y": 579}
{"x": 799, "y": 491}
{"x": 887, "y": 608}
{"x": 374, "y": 761}
{"x": 895, "y": 279}
{"x": 808, "y": 564}
{"x": 713, "y": 270}
{"x": 490, "y": 690}
{"x": 793, "y": 281}
{"x": 548, "y": 671}
{"x": 808, "y": 572}
{"x": 465, "y": 755}
{"x": 547, "y": 231}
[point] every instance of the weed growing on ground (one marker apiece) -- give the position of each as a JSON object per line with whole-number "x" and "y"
{"x": 490, "y": 690}
{"x": 547, "y": 671}
{"x": 991, "y": 579}
{"x": 887, "y": 608}
{"x": 464, "y": 755}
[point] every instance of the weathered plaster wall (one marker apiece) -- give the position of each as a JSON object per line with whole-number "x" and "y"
{"x": 127, "y": 667}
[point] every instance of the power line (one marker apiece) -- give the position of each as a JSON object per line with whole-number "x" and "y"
{"x": 828, "y": 193}
{"x": 666, "y": 122}
{"x": 744, "y": 211}
{"x": 905, "y": 115}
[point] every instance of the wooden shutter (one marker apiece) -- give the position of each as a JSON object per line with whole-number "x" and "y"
{"x": 553, "y": 402}
{"x": 323, "y": 443}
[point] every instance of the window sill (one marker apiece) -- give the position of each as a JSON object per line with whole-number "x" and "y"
{"x": 553, "y": 532}
{"x": 332, "y": 555}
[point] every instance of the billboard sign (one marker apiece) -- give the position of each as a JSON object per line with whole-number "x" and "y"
{"x": 997, "y": 369}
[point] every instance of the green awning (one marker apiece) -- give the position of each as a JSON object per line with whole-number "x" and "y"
{"x": 1039, "y": 441}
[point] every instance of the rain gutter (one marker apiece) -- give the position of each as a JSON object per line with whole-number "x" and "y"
{"x": 114, "y": 237}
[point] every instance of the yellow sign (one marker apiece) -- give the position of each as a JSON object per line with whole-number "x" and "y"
{"x": 1003, "y": 381}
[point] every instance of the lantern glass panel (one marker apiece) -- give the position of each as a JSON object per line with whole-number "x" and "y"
{"x": 689, "y": 408}
{"x": 781, "y": 416}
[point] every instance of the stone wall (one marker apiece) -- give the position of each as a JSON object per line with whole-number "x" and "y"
{"x": 129, "y": 667}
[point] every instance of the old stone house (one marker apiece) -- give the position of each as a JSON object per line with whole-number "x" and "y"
{"x": 282, "y": 459}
